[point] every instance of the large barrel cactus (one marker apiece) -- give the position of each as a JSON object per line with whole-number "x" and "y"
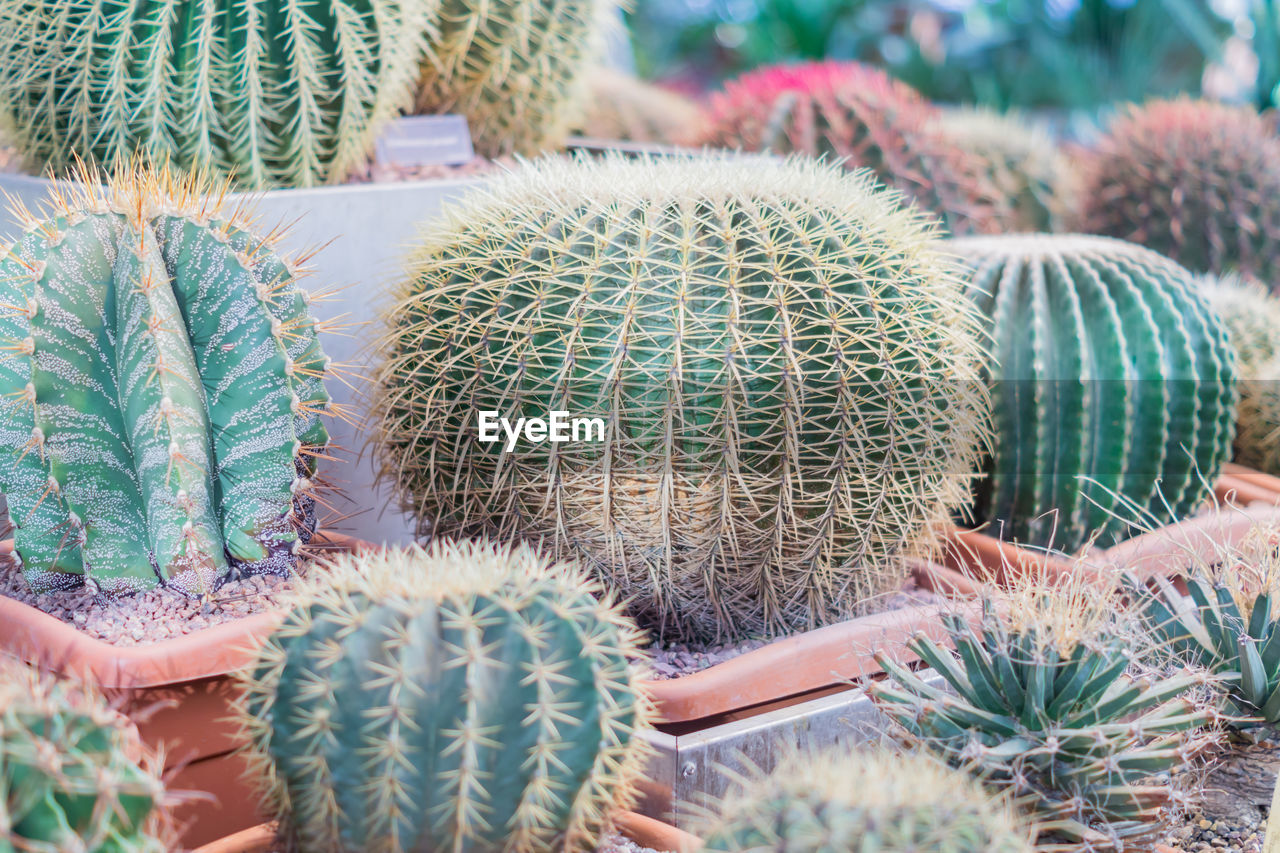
{"x": 1114, "y": 386}
{"x": 274, "y": 93}
{"x": 863, "y": 117}
{"x": 165, "y": 385}
{"x": 785, "y": 377}
{"x": 515, "y": 68}
{"x": 72, "y": 773}
{"x": 470, "y": 697}
{"x": 1194, "y": 180}
{"x": 864, "y": 802}
{"x": 622, "y": 107}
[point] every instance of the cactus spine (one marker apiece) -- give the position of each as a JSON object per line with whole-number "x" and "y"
{"x": 70, "y": 774}
{"x": 864, "y": 802}
{"x": 786, "y": 374}
{"x": 1114, "y": 390}
{"x": 514, "y": 68}
{"x": 1196, "y": 181}
{"x": 468, "y": 697}
{"x": 287, "y": 93}
{"x": 862, "y": 116}
{"x": 1252, "y": 317}
{"x": 165, "y": 383}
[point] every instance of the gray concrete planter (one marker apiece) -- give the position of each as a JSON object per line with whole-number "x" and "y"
{"x": 368, "y": 228}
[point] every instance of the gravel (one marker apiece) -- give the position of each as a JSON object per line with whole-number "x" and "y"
{"x": 1232, "y": 811}
{"x": 147, "y": 617}
{"x": 619, "y": 844}
{"x": 674, "y": 660}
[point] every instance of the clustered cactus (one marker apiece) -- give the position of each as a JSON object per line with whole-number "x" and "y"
{"x": 465, "y": 697}
{"x": 1041, "y": 704}
{"x": 289, "y": 93}
{"x": 1021, "y": 161}
{"x": 165, "y": 386}
{"x": 1228, "y": 623}
{"x": 1194, "y": 180}
{"x": 72, "y": 774}
{"x": 785, "y": 372}
{"x": 1252, "y": 318}
{"x": 621, "y": 107}
{"x": 1114, "y": 386}
{"x": 515, "y": 68}
{"x": 863, "y": 117}
{"x": 864, "y": 802}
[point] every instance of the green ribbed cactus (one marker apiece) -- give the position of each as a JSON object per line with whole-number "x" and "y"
{"x": 272, "y": 92}
{"x": 784, "y": 372}
{"x": 1021, "y": 161}
{"x": 1115, "y": 387}
{"x": 1252, "y": 317}
{"x": 72, "y": 774}
{"x": 1195, "y": 180}
{"x": 864, "y": 802}
{"x": 165, "y": 383}
{"x": 469, "y": 697}
{"x": 1040, "y": 702}
{"x": 515, "y": 68}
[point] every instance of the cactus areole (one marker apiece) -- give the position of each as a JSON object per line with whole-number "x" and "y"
{"x": 163, "y": 383}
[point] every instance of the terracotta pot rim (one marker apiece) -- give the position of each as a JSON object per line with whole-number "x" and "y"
{"x": 645, "y": 831}
{"x": 40, "y": 639}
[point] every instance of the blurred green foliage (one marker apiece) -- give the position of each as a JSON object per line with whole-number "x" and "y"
{"x": 1065, "y": 54}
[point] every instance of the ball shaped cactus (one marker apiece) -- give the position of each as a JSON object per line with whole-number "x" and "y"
{"x": 864, "y": 802}
{"x": 863, "y": 117}
{"x": 1039, "y": 701}
{"x": 1194, "y": 180}
{"x": 273, "y": 94}
{"x": 1252, "y": 317}
{"x": 621, "y": 107}
{"x": 1114, "y": 386}
{"x": 781, "y": 373}
{"x": 165, "y": 384}
{"x": 1021, "y": 161}
{"x": 72, "y": 773}
{"x": 515, "y": 68}
{"x": 465, "y": 697}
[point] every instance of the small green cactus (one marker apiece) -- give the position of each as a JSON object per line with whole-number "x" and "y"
{"x": 1044, "y": 707}
{"x": 271, "y": 92}
{"x": 784, "y": 373}
{"x": 1196, "y": 181}
{"x": 1229, "y": 624}
{"x": 864, "y": 802}
{"x": 165, "y": 385}
{"x": 861, "y": 116}
{"x": 1021, "y": 160}
{"x": 1114, "y": 386}
{"x": 515, "y": 68}
{"x": 467, "y": 697}
{"x": 621, "y": 107}
{"x": 1252, "y": 317}
{"x": 73, "y": 776}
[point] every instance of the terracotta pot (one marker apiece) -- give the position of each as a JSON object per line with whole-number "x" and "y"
{"x": 1249, "y": 485}
{"x": 644, "y": 831}
{"x": 791, "y": 670}
{"x": 178, "y": 692}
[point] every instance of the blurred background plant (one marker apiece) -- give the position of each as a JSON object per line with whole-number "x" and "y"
{"x": 1062, "y": 55}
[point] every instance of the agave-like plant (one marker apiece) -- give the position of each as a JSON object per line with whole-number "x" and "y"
{"x": 1043, "y": 703}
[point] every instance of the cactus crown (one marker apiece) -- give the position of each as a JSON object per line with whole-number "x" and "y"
{"x": 469, "y": 697}
{"x": 863, "y": 117}
{"x": 1194, "y": 180}
{"x": 514, "y": 68}
{"x": 1229, "y": 623}
{"x": 166, "y": 382}
{"x": 1045, "y": 708}
{"x": 784, "y": 372}
{"x": 1113, "y": 382}
{"x": 273, "y": 93}
{"x": 864, "y": 802}
{"x": 70, "y": 775}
